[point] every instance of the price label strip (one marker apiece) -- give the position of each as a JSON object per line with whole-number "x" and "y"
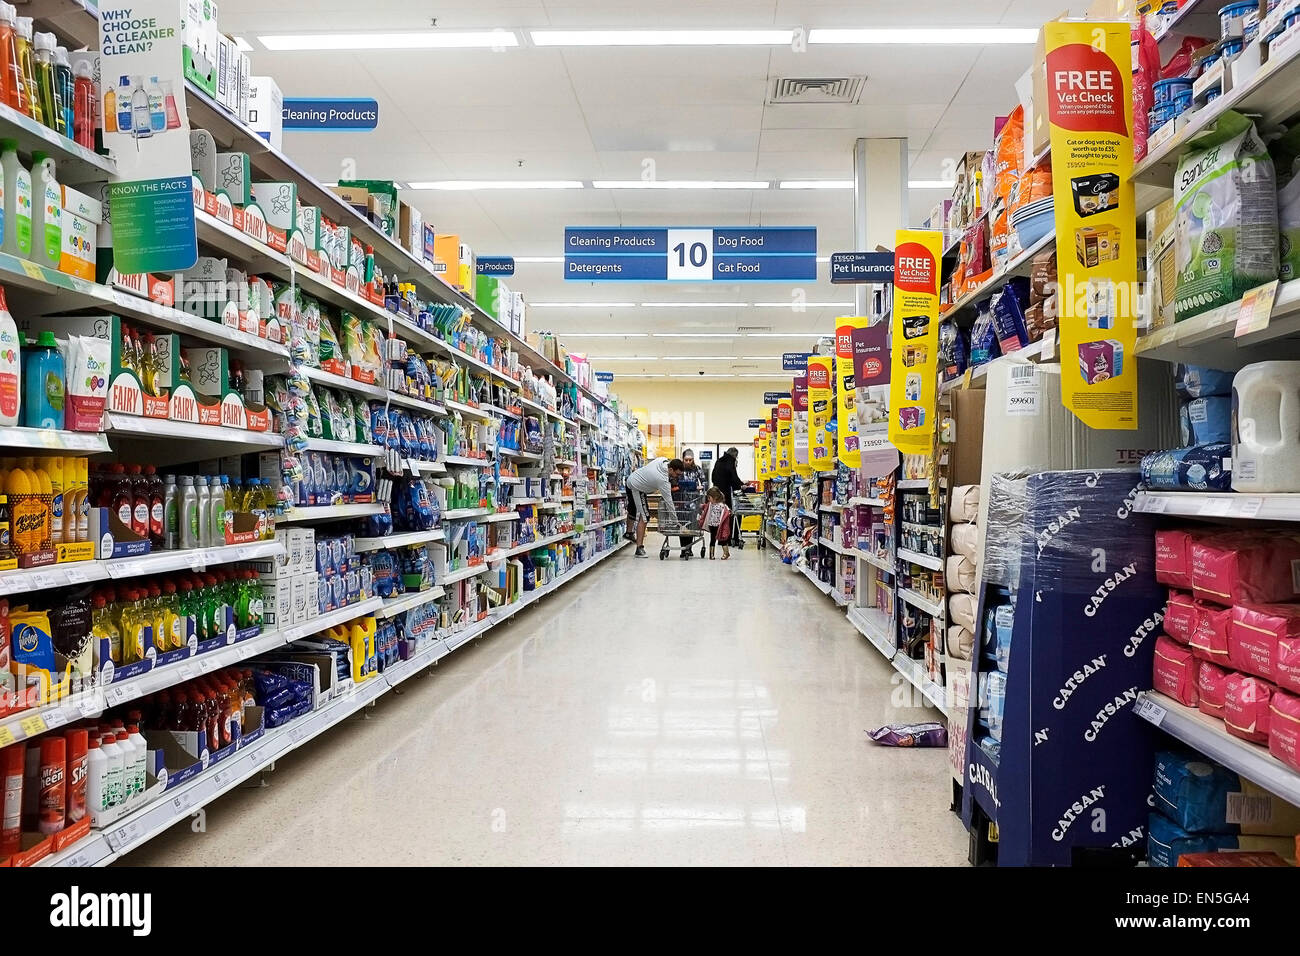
{"x": 1249, "y": 507}
{"x": 1150, "y": 711}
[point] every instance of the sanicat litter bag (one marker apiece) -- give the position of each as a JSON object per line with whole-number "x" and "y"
{"x": 1226, "y": 219}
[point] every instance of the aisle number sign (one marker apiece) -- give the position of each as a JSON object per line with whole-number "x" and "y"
{"x": 1089, "y": 101}
{"x": 694, "y": 254}
{"x": 784, "y": 437}
{"x": 821, "y": 410}
{"x": 913, "y": 395}
{"x": 847, "y": 449}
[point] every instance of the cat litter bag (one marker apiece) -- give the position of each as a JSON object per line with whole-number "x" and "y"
{"x": 1198, "y": 468}
{"x": 1193, "y": 792}
{"x": 1255, "y": 635}
{"x": 1246, "y": 707}
{"x": 1205, "y": 420}
{"x": 1284, "y": 729}
{"x": 1167, "y": 841}
{"x": 960, "y": 642}
{"x": 1210, "y": 634}
{"x": 1174, "y": 672}
{"x": 983, "y": 336}
{"x": 1211, "y": 689}
{"x": 1180, "y": 617}
{"x": 1199, "y": 381}
{"x": 1174, "y": 557}
{"x": 1226, "y": 237}
{"x": 1246, "y": 567}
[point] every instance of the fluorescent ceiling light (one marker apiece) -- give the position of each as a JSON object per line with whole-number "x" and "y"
{"x": 661, "y": 37}
{"x": 760, "y": 358}
{"x": 700, "y": 358}
{"x": 462, "y": 185}
{"x": 926, "y": 36}
{"x": 782, "y": 335}
{"x": 642, "y": 375}
{"x": 758, "y": 375}
{"x": 792, "y": 305}
{"x": 823, "y": 258}
{"x": 816, "y": 184}
{"x": 694, "y": 375}
{"x": 582, "y": 305}
{"x": 694, "y": 305}
{"x": 695, "y": 335}
{"x": 628, "y": 358}
{"x": 678, "y": 184}
{"x": 603, "y": 335}
{"x": 519, "y": 259}
{"x": 243, "y": 44}
{"x": 930, "y": 184}
{"x": 420, "y": 40}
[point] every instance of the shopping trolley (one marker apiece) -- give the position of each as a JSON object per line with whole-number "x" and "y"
{"x": 747, "y": 515}
{"x": 681, "y": 519}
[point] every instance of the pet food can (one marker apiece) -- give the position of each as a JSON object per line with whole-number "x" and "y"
{"x": 1167, "y": 91}
{"x": 1182, "y": 102}
{"x": 1233, "y": 20}
{"x": 1229, "y": 49}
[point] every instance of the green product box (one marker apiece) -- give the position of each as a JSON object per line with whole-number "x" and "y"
{"x": 487, "y": 294}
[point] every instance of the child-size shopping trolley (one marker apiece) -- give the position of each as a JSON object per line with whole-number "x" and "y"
{"x": 681, "y": 519}
{"x": 747, "y": 515}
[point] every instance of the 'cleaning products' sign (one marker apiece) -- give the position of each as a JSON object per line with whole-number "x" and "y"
{"x": 821, "y": 409}
{"x": 1089, "y": 101}
{"x": 848, "y": 450}
{"x": 332, "y": 114}
{"x": 914, "y": 382}
{"x": 146, "y": 128}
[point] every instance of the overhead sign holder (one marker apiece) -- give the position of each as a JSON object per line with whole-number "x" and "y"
{"x": 848, "y": 268}
{"x": 695, "y": 254}
{"x": 794, "y": 361}
{"x": 772, "y": 398}
{"x": 336, "y": 114}
{"x": 605, "y": 377}
{"x": 757, "y": 422}
{"x": 497, "y": 266}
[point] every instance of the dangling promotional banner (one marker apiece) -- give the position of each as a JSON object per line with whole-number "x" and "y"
{"x": 760, "y": 454}
{"x": 784, "y": 437}
{"x": 1089, "y": 100}
{"x": 799, "y": 459}
{"x": 821, "y": 409}
{"x": 871, "y": 374}
{"x": 914, "y": 384}
{"x": 847, "y": 448}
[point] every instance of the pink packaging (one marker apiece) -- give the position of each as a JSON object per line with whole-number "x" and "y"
{"x": 1246, "y": 567}
{"x": 1210, "y": 637}
{"x": 1245, "y": 707}
{"x": 1286, "y": 663}
{"x": 1180, "y": 617}
{"x": 1175, "y": 671}
{"x": 1173, "y": 557}
{"x": 1211, "y": 688}
{"x": 1256, "y": 632}
{"x": 1284, "y": 729}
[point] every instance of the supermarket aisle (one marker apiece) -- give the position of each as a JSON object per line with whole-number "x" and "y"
{"x": 651, "y": 713}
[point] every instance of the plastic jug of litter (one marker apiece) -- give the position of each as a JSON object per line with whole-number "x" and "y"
{"x": 1266, "y": 428}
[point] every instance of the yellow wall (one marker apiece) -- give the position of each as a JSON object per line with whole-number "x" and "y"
{"x": 708, "y": 410}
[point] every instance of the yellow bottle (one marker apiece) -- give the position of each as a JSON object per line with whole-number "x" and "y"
{"x": 53, "y": 467}
{"x": 363, "y": 648}
{"x": 83, "y": 499}
{"x": 102, "y": 628}
{"x": 133, "y": 623}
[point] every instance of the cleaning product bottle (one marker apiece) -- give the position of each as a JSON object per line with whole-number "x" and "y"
{"x": 47, "y": 84}
{"x": 156, "y": 515}
{"x": 171, "y": 528}
{"x": 16, "y": 233}
{"x": 65, "y": 87}
{"x": 157, "y": 106}
{"x": 97, "y": 789}
{"x": 140, "y": 757}
{"x": 11, "y": 89}
{"x": 151, "y": 606}
{"x": 47, "y": 212}
{"x": 141, "y": 121}
{"x": 268, "y": 511}
{"x": 139, "y": 486}
{"x": 10, "y": 364}
{"x": 53, "y": 783}
{"x": 83, "y": 106}
{"x": 102, "y": 628}
{"x": 12, "y": 759}
{"x": 132, "y": 786}
{"x": 217, "y": 524}
{"x": 204, "y": 492}
{"x": 76, "y": 741}
{"x": 26, "y": 66}
{"x": 123, "y": 101}
{"x": 43, "y": 370}
{"x": 185, "y": 608}
{"x": 189, "y": 513}
{"x": 53, "y": 467}
{"x": 172, "y": 622}
{"x": 169, "y": 105}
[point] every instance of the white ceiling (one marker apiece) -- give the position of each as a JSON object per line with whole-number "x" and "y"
{"x": 600, "y": 113}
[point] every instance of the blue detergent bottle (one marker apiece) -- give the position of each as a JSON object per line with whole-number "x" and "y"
{"x": 43, "y": 374}
{"x": 530, "y": 573}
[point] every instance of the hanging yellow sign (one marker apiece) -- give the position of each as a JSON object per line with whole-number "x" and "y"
{"x": 914, "y": 360}
{"x": 847, "y": 449}
{"x": 821, "y": 409}
{"x": 784, "y": 438}
{"x": 1089, "y": 101}
{"x": 760, "y": 454}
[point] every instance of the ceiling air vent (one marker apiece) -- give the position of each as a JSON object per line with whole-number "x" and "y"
{"x": 816, "y": 89}
{"x": 742, "y": 329}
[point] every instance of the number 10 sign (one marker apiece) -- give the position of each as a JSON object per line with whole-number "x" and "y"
{"x": 691, "y": 254}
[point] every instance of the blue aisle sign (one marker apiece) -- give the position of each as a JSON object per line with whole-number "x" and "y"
{"x": 794, "y": 361}
{"x": 771, "y": 398}
{"x": 757, "y": 422}
{"x": 690, "y": 254}
{"x": 498, "y": 266}
{"x": 604, "y": 376}
{"x": 706, "y": 456}
{"x": 338, "y": 113}
{"x": 861, "y": 267}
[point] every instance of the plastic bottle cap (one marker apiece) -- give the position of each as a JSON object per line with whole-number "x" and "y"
{"x": 46, "y": 42}
{"x": 47, "y": 340}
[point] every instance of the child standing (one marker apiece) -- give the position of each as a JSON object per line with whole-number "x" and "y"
{"x": 716, "y": 517}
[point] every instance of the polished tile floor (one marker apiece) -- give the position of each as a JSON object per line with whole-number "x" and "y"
{"x": 670, "y": 713}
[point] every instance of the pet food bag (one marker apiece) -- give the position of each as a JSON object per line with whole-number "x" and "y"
{"x": 960, "y": 642}
{"x": 965, "y": 540}
{"x": 1174, "y": 673}
{"x": 1199, "y": 468}
{"x": 1205, "y": 420}
{"x": 1284, "y": 728}
{"x": 1256, "y": 633}
{"x": 1198, "y": 381}
{"x": 960, "y": 574}
{"x": 1246, "y": 567}
{"x": 1246, "y": 707}
{"x": 1180, "y": 617}
{"x": 1167, "y": 841}
{"x": 1210, "y": 636}
{"x": 1173, "y": 557}
{"x": 964, "y": 503}
{"x": 961, "y": 610}
{"x": 1286, "y": 661}
{"x": 1226, "y": 219}
{"x": 1211, "y": 689}
{"x": 1193, "y": 792}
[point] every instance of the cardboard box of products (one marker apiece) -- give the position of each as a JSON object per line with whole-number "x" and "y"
{"x": 410, "y": 229}
{"x": 199, "y": 36}
{"x": 446, "y": 258}
{"x": 266, "y": 109}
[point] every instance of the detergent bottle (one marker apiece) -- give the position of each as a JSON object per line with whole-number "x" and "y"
{"x": 53, "y": 467}
{"x": 47, "y": 85}
{"x": 47, "y": 212}
{"x": 16, "y": 226}
{"x": 83, "y": 105}
{"x": 27, "y": 68}
{"x": 11, "y": 88}
{"x": 43, "y": 370}
{"x": 11, "y": 370}
{"x": 65, "y": 87}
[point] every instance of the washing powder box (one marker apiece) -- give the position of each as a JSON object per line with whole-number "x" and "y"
{"x": 155, "y": 288}
{"x": 82, "y": 217}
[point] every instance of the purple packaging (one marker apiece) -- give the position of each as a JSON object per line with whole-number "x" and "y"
{"x": 1100, "y": 361}
{"x": 1009, "y": 321}
{"x": 911, "y": 735}
{"x": 911, "y": 416}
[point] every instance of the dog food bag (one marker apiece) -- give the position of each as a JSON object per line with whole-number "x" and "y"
{"x": 1246, "y": 567}
{"x": 964, "y": 503}
{"x": 1205, "y": 420}
{"x": 1167, "y": 841}
{"x": 1246, "y": 707}
{"x": 1226, "y": 220}
{"x": 1284, "y": 728}
{"x": 1175, "y": 671}
{"x": 1174, "y": 557}
{"x": 1198, "y": 381}
{"x": 1256, "y": 633}
{"x": 1193, "y": 792}
{"x": 1009, "y": 155}
{"x": 960, "y": 574}
{"x": 1211, "y": 689}
{"x": 1210, "y": 636}
{"x": 1180, "y": 617}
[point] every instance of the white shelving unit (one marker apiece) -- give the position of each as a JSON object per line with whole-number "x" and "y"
{"x": 922, "y": 603}
{"x": 329, "y": 513}
{"x": 924, "y": 560}
{"x": 400, "y": 540}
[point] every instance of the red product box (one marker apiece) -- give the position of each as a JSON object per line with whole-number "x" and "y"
{"x": 1180, "y": 617}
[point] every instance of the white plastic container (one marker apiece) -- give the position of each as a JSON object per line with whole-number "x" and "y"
{"x": 17, "y": 239}
{"x": 139, "y": 757}
{"x": 47, "y": 213}
{"x": 97, "y": 788}
{"x": 189, "y": 513}
{"x": 11, "y": 369}
{"x": 1266, "y": 428}
{"x": 115, "y": 775}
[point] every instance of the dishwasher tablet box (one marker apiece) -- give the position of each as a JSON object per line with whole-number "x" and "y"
{"x": 277, "y": 603}
{"x": 1194, "y": 792}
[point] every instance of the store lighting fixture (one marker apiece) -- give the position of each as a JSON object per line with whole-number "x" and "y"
{"x": 678, "y": 184}
{"x": 694, "y": 305}
{"x": 816, "y": 184}
{"x": 792, "y": 305}
{"x": 700, "y": 358}
{"x": 931, "y": 184}
{"x": 519, "y": 259}
{"x": 243, "y": 44}
{"x": 604, "y": 335}
{"x": 706, "y": 375}
{"x": 661, "y": 37}
{"x": 695, "y": 335}
{"x": 582, "y": 305}
{"x": 465, "y": 185}
{"x": 417, "y": 40}
{"x": 781, "y": 335}
{"x": 925, "y": 36}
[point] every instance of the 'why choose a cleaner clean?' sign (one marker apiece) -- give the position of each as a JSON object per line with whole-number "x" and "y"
{"x": 337, "y": 114}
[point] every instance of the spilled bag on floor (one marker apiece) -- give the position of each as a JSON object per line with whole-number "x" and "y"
{"x": 911, "y": 735}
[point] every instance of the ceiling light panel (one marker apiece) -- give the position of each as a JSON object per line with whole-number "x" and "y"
{"x": 582, "y": 305}
{"x": 926, "y": 36}
{"x": 480, "y": 39}
{"x": 678, "y": 184}
{"x": 662, "y": 37}
{"x": 466, "y": 185}
{"x": 816, "y": 184}
{"x": 694, "y": 305}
